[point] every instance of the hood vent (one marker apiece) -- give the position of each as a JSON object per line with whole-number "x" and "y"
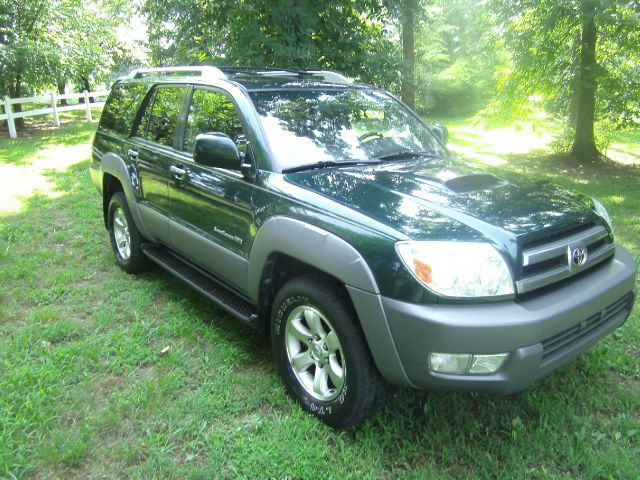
{"x": 473, "y": 183}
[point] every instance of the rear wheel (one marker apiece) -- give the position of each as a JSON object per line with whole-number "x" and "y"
{"x": 126, "y": 241}
{"x": 321, "y": 353}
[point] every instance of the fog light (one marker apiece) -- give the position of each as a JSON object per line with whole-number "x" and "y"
{"x": 450, "y": 363}
{"x": 487, "y": 363}
{"x": 465, "y": 363}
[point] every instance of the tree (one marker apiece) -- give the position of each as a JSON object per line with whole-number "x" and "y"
{"x": 46, "y": 43}
{"x": 584, "y": 143}
{"x": 457, "y": 53}
{"x": 94, "y": 41}
{"x": 347, "y": 35}
{"x": 378, "y": 41}
{"x": 25, "y": 46}
{"x": 408, "y": 19}
{"x": 558, "y": 50}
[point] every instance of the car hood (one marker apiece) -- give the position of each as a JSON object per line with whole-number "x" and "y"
{"x": 448, "y": 200}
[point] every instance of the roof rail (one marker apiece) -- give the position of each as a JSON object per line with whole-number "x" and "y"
{"x": 202, "y": 71}
{"x": 325, "y": 75}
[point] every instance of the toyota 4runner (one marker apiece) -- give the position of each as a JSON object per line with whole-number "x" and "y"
{"x": 327, "y": 215}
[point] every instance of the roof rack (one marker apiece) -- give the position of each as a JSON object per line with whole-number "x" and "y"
{"x": 202, "y": 71}
{"x": 325, "y": 75}
{"x": 209, "y": 72}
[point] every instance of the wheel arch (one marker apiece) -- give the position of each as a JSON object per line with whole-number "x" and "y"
{"x": 110, "y": 185}
{"x": 285, "y": 247}
{"x": 312, "y": 246}
{"x": 117, "y": 177}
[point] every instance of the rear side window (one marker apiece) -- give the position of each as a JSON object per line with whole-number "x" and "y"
{"x": 160, "y": 118}
{"x": 121, "y": 107}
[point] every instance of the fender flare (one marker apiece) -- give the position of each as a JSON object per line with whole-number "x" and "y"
{"x": 115, "y": 166}
{"x": 331, "y": 254}
{"x": 311, "y": 245}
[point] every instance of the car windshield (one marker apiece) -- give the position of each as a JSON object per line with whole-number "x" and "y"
{"x": 307, "y": 127}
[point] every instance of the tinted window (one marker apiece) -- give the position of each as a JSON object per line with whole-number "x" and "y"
{"x": 121, "y": 108}
{"x": 143, "y": 123}
{"x": 213, "y": 112}
{"x": 309, "y": 126}
{"x": 162, "y": 115}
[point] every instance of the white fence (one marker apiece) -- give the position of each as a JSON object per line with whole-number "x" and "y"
{"x": 54, "y": 109}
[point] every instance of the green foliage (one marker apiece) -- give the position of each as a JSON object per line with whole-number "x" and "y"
{"x": 348, "y": 36}
{"x": 521, "y": 56}
{"x": 458, "y": 51}
{"x": 26, "y": 45}
{"x": 44, "y": 43}
{"x": 456, "y": 48}
{"x": 544, "y": 41}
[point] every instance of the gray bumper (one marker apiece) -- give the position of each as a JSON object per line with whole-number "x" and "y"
{"x": 540, "y": 333}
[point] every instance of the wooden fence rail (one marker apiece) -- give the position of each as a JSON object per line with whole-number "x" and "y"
{"x": 52, "y": 98}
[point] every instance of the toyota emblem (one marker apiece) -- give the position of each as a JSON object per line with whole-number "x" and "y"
{"x": 579, "y": 256}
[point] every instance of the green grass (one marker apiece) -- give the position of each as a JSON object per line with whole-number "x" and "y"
{"x": 85, "y": 391}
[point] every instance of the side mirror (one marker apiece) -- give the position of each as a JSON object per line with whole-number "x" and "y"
{"x": 441, "y": 133}
{"x": 216, "y": 150}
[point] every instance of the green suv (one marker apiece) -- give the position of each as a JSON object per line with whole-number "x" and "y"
{"x": 328, "y": 216}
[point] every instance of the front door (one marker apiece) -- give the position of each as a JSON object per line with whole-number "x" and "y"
{"x": 211, "y": 208}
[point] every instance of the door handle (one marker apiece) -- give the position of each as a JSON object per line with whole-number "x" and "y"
{"x": 132, "y": 153}
{"x": 178, "y": 173}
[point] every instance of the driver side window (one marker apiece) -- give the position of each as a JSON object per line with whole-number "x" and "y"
{"x": 213, "y": 112}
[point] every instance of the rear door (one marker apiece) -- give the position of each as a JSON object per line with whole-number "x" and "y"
{"x": 153, "y": 151}
{"x": 211, "y": 208}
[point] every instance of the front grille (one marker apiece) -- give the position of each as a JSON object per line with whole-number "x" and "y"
{"x": 553, "y": 346}
{"x": 549, "y": 260}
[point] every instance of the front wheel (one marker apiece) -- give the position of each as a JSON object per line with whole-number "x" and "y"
{"x": 321, "y": 353}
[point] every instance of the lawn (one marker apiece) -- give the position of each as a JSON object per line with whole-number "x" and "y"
{"x": 87, "y": 392}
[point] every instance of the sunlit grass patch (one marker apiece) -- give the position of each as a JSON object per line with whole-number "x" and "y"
{"x": 489, "y": 142}
{"x": 28, "y": 166}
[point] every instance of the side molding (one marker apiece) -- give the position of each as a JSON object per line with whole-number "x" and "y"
{"x": 114, "y": 165}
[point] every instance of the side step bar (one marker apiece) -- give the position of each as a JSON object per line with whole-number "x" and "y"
{"x": 206, "y": 285}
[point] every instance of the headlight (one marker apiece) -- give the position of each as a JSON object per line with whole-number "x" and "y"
{"x": 457, "y": 269}
{"x": 600, "y": 210}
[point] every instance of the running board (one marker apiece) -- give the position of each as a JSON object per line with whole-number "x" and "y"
{"x": 206, "y": 285}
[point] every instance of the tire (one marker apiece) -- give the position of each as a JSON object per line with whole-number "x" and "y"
{"x": 126, "y": 241}
{"x": 321, "y": 354}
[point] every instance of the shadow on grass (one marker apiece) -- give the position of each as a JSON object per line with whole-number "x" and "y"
{"x": 606, "y": 176}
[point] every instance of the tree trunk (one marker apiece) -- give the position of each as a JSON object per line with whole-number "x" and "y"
{"x": 408, "y": 20}
{"x": 61, "y": 83}
{"x": 575, "y": 66}
{"x": 86, "y": 86}
{"x": 584, "y": 145}
{"x": 15, "y": 91}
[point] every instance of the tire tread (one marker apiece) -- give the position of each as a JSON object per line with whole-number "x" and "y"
{"x": 374, "y": 392}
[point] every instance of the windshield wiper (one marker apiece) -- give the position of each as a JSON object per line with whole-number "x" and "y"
{"x": 331, "y": 163}
{"x": 406, "y": 154}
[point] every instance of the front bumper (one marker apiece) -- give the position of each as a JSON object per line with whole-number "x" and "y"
{"x": 540, "y": 333}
